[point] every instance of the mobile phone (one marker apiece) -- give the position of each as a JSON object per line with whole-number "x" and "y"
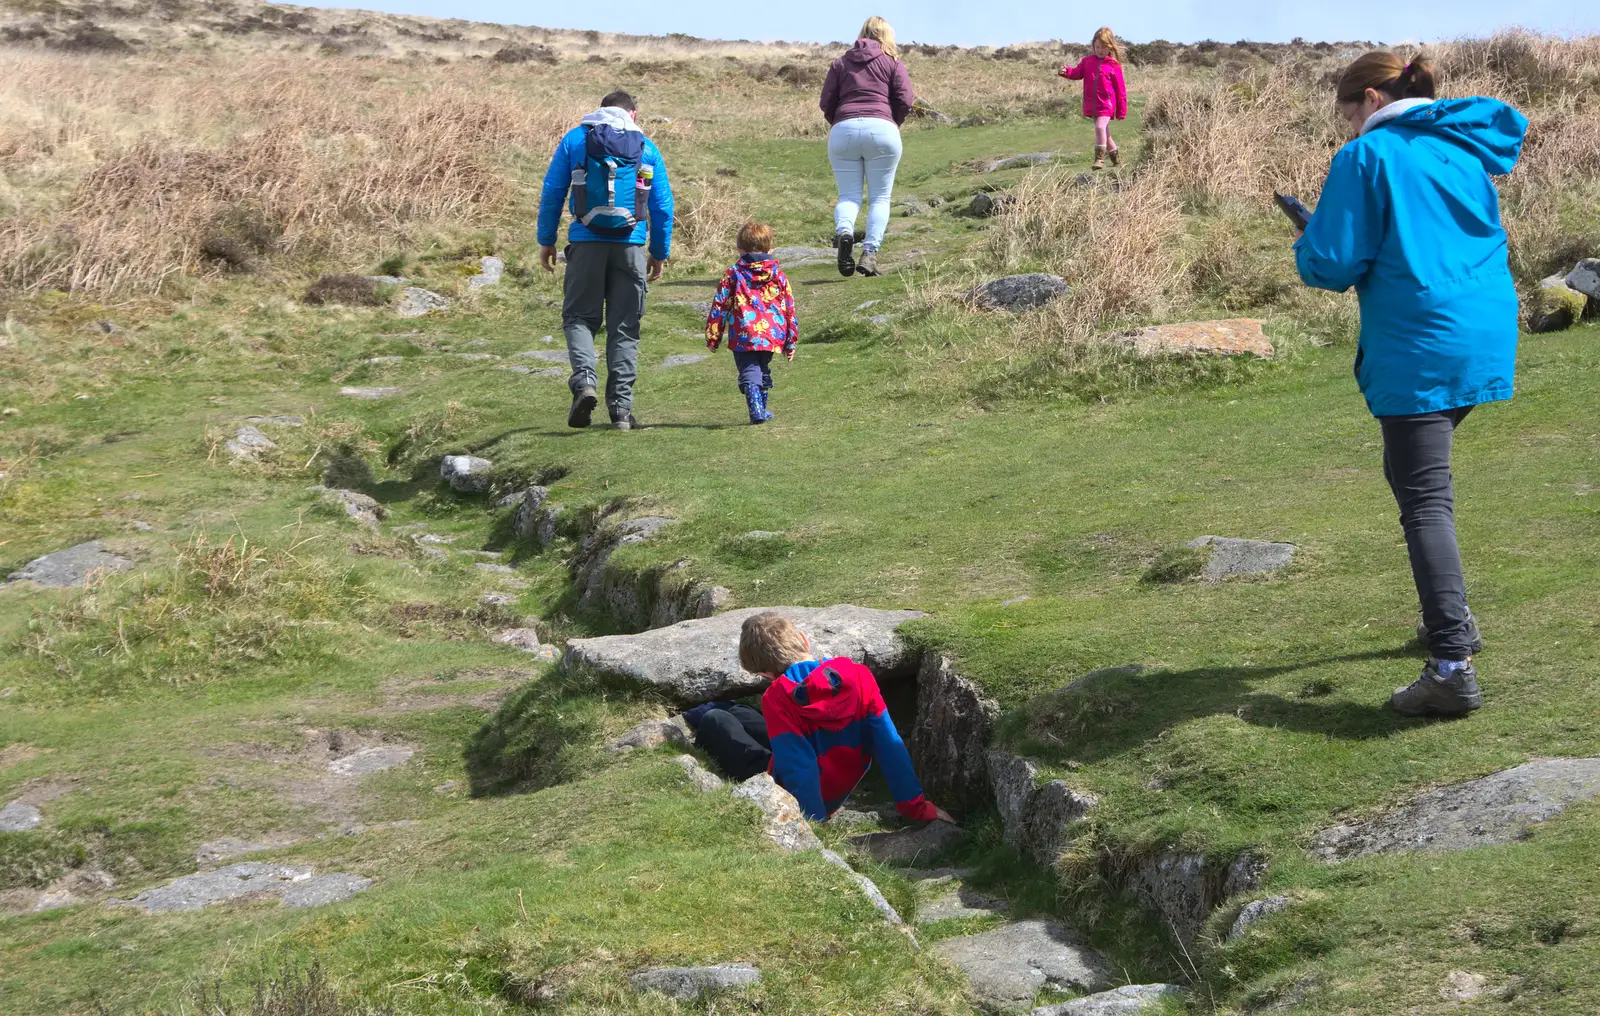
{"x": 1294, "y": 209}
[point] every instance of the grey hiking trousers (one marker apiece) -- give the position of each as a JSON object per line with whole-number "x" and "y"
{"x": 604, "y": 280}
{"x": 1416, "y": 462}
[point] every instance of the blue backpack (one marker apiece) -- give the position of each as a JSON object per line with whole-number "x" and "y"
{"x": 611, "y": 189}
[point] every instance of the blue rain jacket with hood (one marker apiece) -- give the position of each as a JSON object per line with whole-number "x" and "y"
{"x": 558, "y": 183}
{"x": 1410, "y": 217}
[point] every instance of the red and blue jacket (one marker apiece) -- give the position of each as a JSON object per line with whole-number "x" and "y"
{"x": 828, "y": 723}
{"x": 754, "y": 307}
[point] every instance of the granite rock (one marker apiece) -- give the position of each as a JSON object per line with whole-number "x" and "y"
{"x": 688, "y": 983}
{"x": 784, "y": 823}
{"x": 1230, "y": 557}
{"x": 71, "y": 567}
{"x": 1009, "y": 965}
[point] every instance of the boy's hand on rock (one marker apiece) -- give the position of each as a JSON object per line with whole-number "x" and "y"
{"x": 940, "y": 815}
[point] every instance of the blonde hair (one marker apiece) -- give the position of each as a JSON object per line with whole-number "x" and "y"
{"x": 1105, "y": 37}
{"x": 769, "y": 643}
{"x": 883, "y": 32}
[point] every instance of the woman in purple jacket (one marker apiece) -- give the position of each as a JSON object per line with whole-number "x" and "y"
{"x": 866, "y": 98}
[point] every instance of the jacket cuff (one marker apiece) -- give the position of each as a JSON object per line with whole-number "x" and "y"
{"x": 918, "y": 809}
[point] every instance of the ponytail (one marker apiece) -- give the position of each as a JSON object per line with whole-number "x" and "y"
{"x": 1386, "y": 73}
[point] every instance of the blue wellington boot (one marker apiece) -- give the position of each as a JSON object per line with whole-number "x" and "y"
{"x": 757, "y": 400}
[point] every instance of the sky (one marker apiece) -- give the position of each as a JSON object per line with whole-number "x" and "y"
{"x": 996, "y": 22}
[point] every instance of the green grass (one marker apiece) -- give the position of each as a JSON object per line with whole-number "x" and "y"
{"x": 164, "y": 710}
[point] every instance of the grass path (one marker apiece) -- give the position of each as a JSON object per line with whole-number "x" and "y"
{"x": 166, "y": 717}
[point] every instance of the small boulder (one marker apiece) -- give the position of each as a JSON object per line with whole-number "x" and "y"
{"x": 490, "y": 271}
{"x": 525, "y": 525}
{"x": 357, "y": 505}
{"x": 525, "y": 639}
{"x": 652, "y": 734}
{"x": 1027, "y": 161}
{"x": 1463, "y": 986}
{"x": 248, "y": 443}
{"x": 689, "y": 983}
{"x": 920, "y": 109}
{"x": 1555, "y": 305}
{"x": 1231, "y": 557}
{"x": 915, "y": 207}
{"x": 1017, "y": 293}
{"x": 1231, "y": 337}
{"x": 417, "y": 302}
{"x": 1254, "y": 912}
{"x": 71, "y": 567}
{"x": 985, "y": 205}
{"x": 18, "y": 817}
{"x": 466, "y": 474}
{"x": 699, "y": 778}
{"x": 785, "y": 825}
{"x": 1128, "y": 1000}
{"x": 1585, "y": 278}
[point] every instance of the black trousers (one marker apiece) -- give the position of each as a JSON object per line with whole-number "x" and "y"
{"x": 736, "y": 738}
{"x": 1416, "y": 462}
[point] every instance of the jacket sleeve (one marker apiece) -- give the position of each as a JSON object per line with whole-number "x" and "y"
{"x": 1074, "y": 73}
{"x": 889, "y": 751}
{"x": 1121, "y": 85}
{"x": 1346, "y": 230}
{"x": 901, "y": 97}
{"x": 791, "y": 322}
{"x": 553, "y": 198}
{"x": 830, "y": 94}
{"x": 794, "y": 762}
{"x": 661, "y": 217}
{"x": 721, "y": 307}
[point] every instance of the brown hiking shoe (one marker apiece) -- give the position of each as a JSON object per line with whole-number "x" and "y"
{"x": 867, "y": 263}
{"x": 1434, "y": 694}
{"x": 583, "y": 404}
{"x": 1099, "y": 158}
{"x": 1116, "y": 156}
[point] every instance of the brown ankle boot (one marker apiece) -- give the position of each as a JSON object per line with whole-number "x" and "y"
{"x": 1099, "y": 158}
{"x": 1116, "y": 156}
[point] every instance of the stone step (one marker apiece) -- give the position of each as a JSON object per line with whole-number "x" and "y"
{"x": 1009, "y": 965}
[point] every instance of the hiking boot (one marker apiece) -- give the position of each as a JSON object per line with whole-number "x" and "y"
{"x": 1099, "y": 158}
{"x": 1116, "y": 156}
{"x": 1434, "y": 694}
{"x": 868, "y": 265}
{"x": 625, "y": 422}
{"x": 583, "y": 405}
{"x": 756, "y": 399}
{"x": 1476, "y": 636}
{"x": 846, "y": 242}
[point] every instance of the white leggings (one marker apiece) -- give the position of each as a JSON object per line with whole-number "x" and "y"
{"x": 865, "y": 153}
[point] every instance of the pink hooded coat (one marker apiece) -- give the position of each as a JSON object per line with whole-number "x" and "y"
{"x": 1104, "y": 91}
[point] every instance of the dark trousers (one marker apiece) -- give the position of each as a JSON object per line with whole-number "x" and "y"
{"x": 736, "y": 739}
{"x": 1416, "y": 462}
{"x": 604, "y": 281}
{"x": 754, "y": 369}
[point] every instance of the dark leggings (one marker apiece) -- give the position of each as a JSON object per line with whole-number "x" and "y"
{"x": 755, "y": 368}
{"x": 736, "y": 738}
{"x": 1416, "y": 462}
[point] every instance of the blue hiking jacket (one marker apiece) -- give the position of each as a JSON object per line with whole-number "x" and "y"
{"x": 1410, "y": 217}
{"x": 558, "y": 181}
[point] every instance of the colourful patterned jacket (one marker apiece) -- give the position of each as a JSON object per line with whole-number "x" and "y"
{"x": 753, "y": 308}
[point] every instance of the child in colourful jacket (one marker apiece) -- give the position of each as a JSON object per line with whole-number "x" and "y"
{"x": 1105, "y": 93}
{"x": 754, "y": 308}
{"x": 822, "y": 725}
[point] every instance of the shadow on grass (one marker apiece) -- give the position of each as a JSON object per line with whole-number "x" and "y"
{"x": 1110, "y": 712}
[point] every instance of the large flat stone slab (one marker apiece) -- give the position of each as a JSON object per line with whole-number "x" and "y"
{"x": 371, "y": 760}
{"x": 947, "y": 899}
{"x": 1498, "y": 808}
{"x": 688, "y": 983}
{"x": 292, "y": 885}
{"x": 1231, "y": 337}
{"x": 908, "y": 845}
{"x": 698, "y": 661}
{"x": 19, "y": 817}
{"x": 1128, "y": 1000}
{"x": 1231, "y": 557}
{"x": 1008, "y": 966}
{"x": 71, "y": 567}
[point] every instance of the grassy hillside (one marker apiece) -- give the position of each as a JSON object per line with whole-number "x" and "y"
{"x": 1017, "y": 477}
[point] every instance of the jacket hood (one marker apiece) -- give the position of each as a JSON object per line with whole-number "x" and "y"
{"x": 821, "y": 701}
{"x": 611, "y": 116}
{"x": 1487, "y": 128}
{"x": 863, "y": 52}
{"x": 757, "y": 269}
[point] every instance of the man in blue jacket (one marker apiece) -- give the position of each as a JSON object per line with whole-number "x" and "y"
{"x": 619, "y": 194}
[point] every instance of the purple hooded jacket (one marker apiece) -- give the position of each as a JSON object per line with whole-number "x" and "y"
{"x": 867, "y": 82}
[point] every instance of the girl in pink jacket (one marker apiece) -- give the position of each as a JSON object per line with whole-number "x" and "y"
{"x": 1105, "y": 94}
